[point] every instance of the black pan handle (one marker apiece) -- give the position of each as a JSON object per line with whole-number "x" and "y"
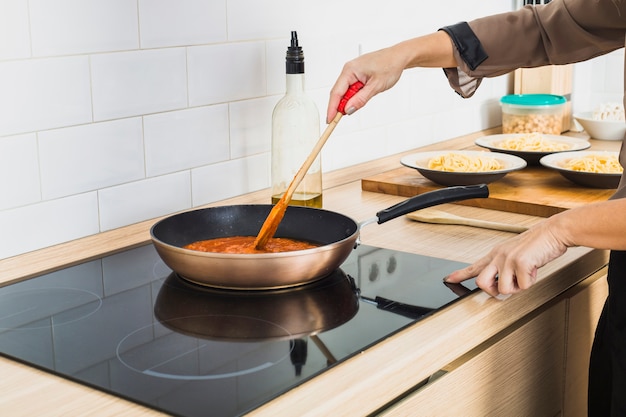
{"x": 406, "y": 310}
{"x": 433, "y": 198}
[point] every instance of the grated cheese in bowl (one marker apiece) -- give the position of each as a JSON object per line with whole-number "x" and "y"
{"x": 609, "y": 111}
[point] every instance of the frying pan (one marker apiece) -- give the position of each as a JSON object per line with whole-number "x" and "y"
{"x": 336, "y": 234}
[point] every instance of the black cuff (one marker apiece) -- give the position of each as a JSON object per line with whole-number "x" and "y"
{"x": 467, "y": 43}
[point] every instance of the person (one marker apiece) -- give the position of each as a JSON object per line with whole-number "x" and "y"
{"x": 559, "y": 32}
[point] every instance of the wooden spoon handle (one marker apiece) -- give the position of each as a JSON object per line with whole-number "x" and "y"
{"x": 278, "y": 211}
{"x": 442, "y": 217}
{"x": 309, "y": 160}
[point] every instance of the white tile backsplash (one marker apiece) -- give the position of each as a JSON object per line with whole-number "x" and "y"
{"x": 181, "y": 22}
{"x": 249, "y": 19}
{"x": 43, "y": 94}
{"x": 65, "y": 27}
{"x": 341, "y": 151}
{"x": 251, "y": 126}
{"x": 47, "y": 223}
{"x": 140, "y": 82}
{"x": 18, "y": 160}
{"x": 89, "y": 157}
{"x": 14, "y": 30}
{"x": 117, "y": 111}
{"x": 184, "y": 139}
{"x": 146, "y": 199}
{"x": 228, "y": 179}
{"x": 226, "y": 72}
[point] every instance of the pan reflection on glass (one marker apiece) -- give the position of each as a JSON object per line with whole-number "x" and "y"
{"x": 255, "y": 318}
{"x": 406, "y": 310}
{"x": 289, "y": 313}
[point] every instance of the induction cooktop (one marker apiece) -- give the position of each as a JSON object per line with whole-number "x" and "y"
{"x": 127, "y": 325}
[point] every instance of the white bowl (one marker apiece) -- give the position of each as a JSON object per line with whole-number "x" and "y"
{"x": 557, "y": 161}
{"x": 492, "y": 142}
{"x": 601, "y": 129}
{"x": 419, "y": 161}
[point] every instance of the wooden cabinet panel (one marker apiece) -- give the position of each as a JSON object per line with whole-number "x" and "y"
{"x": 518, "y": 374}
{"x": 585, "y": 306}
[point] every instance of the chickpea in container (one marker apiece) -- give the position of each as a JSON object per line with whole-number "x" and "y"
{"x": 532, "y": 113}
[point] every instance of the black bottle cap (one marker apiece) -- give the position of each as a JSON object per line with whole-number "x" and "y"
{"x": 294, "y": 62}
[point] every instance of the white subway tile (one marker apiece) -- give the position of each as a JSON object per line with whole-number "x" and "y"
{"x": 186, "y": 139}
{"x": 44, "y": 94}
{"x": 250, "y": 19}
{"x": 464, "y": 122}
{"x": 251, "y": 126}
{"x": 430, "y": 92}
{"x": 409, "y": 134}
{"x": 227, "y": 72}
{"x": 89, "y": 157}
{"x": 228, "y": 179}
{"x": 19, "y": 171}
{"x": 253, "y": 19}
{"x": 181, "y": 22}
{"x": 139, "y": 82}
{"x": 63, "y": 27}
{"x": 14, "y": 30}
{"x": 45, "y": 224}
{"x": 141, "y": 200}
{"x": 275, "y": 53}
{"x": 353, "y": 148}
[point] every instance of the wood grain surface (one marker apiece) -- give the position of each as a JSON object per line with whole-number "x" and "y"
{"x": 535, "y": 191}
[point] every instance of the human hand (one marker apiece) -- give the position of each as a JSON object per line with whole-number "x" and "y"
{"x": 512, "y": 266}
{"x": 378, "y": 71}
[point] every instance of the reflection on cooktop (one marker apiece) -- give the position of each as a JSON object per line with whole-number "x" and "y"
{"x": 284, "y": 314}
{"x": 127, "y": 325}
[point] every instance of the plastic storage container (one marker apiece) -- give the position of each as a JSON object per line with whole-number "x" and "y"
{"x": 528, "y": 113}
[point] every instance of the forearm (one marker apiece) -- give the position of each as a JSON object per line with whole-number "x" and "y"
{"x": 429, "y": 51}
{"x": 599, "y": 225}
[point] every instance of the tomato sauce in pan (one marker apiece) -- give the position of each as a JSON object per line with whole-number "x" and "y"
{"x": 245, "y": 244}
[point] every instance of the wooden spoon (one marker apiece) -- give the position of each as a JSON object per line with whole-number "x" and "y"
{"x": 430, "y": 215}
{"x": 278, "y": 211}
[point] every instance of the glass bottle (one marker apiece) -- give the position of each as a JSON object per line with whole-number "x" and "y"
{"x": 295, "y": 131}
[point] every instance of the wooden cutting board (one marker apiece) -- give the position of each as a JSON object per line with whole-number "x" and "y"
{"x": 535, "y": 191}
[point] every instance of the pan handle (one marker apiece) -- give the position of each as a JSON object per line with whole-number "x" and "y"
{"x": 433, "y": 198}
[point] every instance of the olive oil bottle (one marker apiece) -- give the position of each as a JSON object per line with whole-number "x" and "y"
{"x": 295, "y": 131}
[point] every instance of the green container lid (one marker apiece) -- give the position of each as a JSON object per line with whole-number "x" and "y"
{"x": 533, "y": 100}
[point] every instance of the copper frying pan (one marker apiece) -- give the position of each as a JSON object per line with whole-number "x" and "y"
{"x": 336, "y": 234}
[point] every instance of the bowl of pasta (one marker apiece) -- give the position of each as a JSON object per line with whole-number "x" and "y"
{"x": 463, "y": 167}
{"x": 595, "y": 169}
{"x": 531, "y": 146}
{"x": 605, "y": 122}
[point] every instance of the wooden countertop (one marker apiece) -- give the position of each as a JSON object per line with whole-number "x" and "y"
{"x": 352, "y": 388}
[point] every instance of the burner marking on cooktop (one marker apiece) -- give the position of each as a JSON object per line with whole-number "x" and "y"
{"x": 134, "y": 349}
{"x": 19, "y": 310}
{"x": 17, "y": 313}
{"x": 207, "y": 377}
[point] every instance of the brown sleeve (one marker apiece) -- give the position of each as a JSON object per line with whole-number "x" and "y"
{"x": 560, "y": 32}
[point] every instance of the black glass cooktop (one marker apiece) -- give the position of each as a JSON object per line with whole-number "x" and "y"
{"x": 127, "y": 325}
